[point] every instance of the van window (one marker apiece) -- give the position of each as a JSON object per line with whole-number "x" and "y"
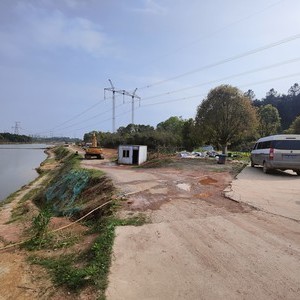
{"x": 286, "y": 145}
{"x": 264, "y": 145}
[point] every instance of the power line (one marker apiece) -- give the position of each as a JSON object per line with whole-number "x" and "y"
{"x": 217, "y": 31}
{"x": 190, "y": 97}
{"x": 221, "y": 62}
{"x": 78, "y": 115}
{"x": 225, "y": 78}
{"x": 204, "y": 94}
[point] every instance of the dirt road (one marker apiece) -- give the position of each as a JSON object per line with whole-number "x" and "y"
{"x": 198, "y": 245}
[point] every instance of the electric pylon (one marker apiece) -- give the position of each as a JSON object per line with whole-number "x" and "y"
{"x": 124, "y": 93}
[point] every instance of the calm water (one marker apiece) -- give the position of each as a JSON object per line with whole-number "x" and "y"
{"x": 17, "y": 166}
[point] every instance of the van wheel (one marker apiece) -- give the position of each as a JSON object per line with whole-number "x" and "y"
{"x": 252, "y": 164}
{"x": 266, "y": 170}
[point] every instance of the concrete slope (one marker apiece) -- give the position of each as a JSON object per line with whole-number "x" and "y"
{"x": 277, "y": 193}
{"x": 242, "y": 256}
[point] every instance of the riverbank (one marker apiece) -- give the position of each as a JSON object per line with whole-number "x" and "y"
{"x": 56, "y": 234}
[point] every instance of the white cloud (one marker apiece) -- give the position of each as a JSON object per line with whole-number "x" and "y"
{"x": 73, "y": 3}
{"x": 53, "y": 30}
{"x": 150, "y": 7}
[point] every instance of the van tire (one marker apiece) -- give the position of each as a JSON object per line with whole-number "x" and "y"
{"x": 298, "y": 173}
{"x": 252, "y": 164}
{"x": 266, "y": 170}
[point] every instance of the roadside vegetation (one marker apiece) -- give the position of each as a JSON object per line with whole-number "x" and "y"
{"x": 226, "y": 118}
{"x": 77, "y": 255}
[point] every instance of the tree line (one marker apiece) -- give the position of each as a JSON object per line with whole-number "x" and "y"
{"x": 6, "y": 137}
{"x": 227, "y": 117}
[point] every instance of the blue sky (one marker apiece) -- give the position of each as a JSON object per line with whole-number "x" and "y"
{"x": 56, "y": 57}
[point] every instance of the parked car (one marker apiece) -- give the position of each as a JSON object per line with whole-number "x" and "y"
{"x": 277, "y": 152}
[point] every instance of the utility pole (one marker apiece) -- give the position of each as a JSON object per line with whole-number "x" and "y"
{"x": 132, "y": 105}
{"x": 113, "y": 90}
{"x": 124, "y": 93}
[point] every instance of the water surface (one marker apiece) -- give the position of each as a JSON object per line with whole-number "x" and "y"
{"x": 17, "y": 166}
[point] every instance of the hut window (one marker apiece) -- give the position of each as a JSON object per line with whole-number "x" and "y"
{"x": 125, "y": 153}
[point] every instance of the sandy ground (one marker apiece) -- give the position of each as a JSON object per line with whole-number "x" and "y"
{"x": 199, "y": 244}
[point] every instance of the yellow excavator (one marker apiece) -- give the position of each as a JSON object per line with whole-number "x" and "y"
{"x": 94, "y": 151}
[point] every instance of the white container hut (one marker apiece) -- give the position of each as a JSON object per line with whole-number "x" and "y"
{"x": 132, "y": 154}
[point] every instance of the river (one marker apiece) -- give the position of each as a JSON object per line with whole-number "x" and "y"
{"x": 17, "y": 166}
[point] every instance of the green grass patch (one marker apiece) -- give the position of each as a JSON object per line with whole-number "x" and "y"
{"x": 61, "y": 153}
{"x": 39, "y": 231}
{"x": 91, "y": 267}
{"x": 94, "y": 173}
{"x": 70, "y": 182}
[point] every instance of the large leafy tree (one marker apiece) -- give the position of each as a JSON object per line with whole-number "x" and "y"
{"x": 226, "y": 116}
{"x": 269, "y": 120}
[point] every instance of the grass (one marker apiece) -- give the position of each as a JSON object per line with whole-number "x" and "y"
{"x": 89, "y": 268}
{"x": 80, "y": 269}
{"x": 61, "y": 153}
{"x": 39, "y": 231}
{"x": 9, "y": 199}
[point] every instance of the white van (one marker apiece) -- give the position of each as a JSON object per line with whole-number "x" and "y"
{"x": 277, "y": 152}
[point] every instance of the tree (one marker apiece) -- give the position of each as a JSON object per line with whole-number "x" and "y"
{"x": 294, "y": 90}
{"x": 131, "y": 128}
{"x": 295, "y": 126}
{"x": 269, "y": 120}
{"x": 272, "y": 97}
{"x": 250, "y": 94}
{"x": 190, "y": 138}
{"x": 173, "y": 124}
{"x": 226, "y": 116}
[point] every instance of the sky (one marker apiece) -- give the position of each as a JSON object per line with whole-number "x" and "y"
{"x": 57, "y": 56}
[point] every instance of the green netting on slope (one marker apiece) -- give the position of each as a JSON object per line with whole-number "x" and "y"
{"x": 62, "y": 194}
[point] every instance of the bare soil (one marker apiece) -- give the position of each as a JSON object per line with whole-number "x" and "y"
{"x": 196, "y": 245}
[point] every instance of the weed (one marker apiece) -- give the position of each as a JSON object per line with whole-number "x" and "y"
{"x": 95, "y": 173}
{"x": 62, "y": 271}
{"x": 39, "y": 230}
{"x": 78, "y": 270}
{"x": 61, "y": 153}
{"x": 92, "y": 267}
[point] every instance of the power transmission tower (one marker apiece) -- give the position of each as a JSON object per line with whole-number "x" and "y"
{"x": 17, "y": 128}
{"x": 124, "y": 93}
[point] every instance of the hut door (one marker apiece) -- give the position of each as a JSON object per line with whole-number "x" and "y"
{"x": 135, "y": 157}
